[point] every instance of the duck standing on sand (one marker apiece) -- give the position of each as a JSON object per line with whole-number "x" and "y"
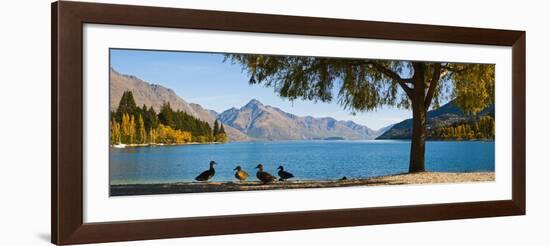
{"x": 284, "y": 175}
{"x": 208, "y": 174}
{"x": 241, "y": 175}
{"x": 265, "y": 177}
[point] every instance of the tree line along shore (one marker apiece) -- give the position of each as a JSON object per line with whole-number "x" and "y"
{"x": 141, "y": 126}
{"x": 482, "y": 128}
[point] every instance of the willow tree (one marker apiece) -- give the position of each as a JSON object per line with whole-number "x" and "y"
{"x": 360, "y": 85}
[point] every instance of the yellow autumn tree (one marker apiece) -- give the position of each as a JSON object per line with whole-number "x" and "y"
{"x": 128, "y": 129}
{"x": 125, "y": 128}
{"x": 133, "y": 129}
{"x": 168, "y": 135}
{"x": 152, "y": 136}
{"x": 114, "y": 132}
{"x": 483, "y": 129}
{"x": 141, "y": 133}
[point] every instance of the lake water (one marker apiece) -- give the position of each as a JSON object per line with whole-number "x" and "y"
{"x": 307, "y": 160}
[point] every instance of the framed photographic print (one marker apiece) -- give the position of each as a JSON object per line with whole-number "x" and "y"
{"x": 174, "y": 122}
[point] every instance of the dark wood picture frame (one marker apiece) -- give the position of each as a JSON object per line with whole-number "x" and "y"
{"x": 67, "y": 124}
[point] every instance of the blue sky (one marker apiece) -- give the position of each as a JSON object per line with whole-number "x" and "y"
{"x": 205, "y": 79}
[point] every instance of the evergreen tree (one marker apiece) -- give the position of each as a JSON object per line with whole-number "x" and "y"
{"x": 127, "y": 105}
{"x": 216, "y": 128}
{"x": 152, "y": 120}
{"x": 222, "y": 130}
{"x": 143, "y": 112}
{"x": 166, "y": 115}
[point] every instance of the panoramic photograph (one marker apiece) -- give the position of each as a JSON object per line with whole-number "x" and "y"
{"x": 193, "y": 122}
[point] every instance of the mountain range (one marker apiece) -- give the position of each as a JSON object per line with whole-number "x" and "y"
{"x": 253, "y": 121}
{"x": 261, "y": 121}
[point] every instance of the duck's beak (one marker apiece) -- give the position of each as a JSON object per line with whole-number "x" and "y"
{"x": 235, "y": 169}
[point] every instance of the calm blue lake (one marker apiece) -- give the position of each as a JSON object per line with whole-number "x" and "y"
{"x": 305, "y": 159}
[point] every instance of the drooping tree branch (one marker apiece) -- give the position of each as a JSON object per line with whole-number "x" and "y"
{"x": 393, "y": 75}
{"x": 434, "y": 81}
{"x": 388, "y": 72}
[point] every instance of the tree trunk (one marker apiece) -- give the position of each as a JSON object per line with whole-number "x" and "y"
{"x": 418, "y": 140}
{"x": 418, "y": 137}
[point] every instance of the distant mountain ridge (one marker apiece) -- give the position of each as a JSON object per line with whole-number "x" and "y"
{"x": 145, "y": 93}
{"x": 445, "y": 115}
{"x": 265, "y": 122}
{"x": 253, "y": 121}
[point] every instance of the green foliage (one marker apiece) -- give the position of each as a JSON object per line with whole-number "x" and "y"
{"x": 150, "y": 118}
{"x": 216, "y": 128}
{"x": 127, "y": 105}
{"x": 365, "y": 85}
{"x": 474, "y": 86}
{"x": 180, "y": 120}
{"x": 310, "y": 78}
{"x": 134, "y": 125}
{"x": 166, "y": 115}
{"x": 219, "y": 133}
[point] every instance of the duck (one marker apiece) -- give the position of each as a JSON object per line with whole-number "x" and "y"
{"x": 241, "y": 175}
{"x": 208, "y": 174}
{"x": 265, "y": 177}
{"x": 284, "y": 175}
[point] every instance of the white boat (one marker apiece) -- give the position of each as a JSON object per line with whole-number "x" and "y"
{"x": 120, "y": 145}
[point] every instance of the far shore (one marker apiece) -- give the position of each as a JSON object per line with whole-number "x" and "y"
{"x": 163, "y": 144}
{"x": 248, "y": 141}
{"x": 398, "y": 179}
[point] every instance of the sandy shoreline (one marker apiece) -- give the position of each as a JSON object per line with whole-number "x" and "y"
{"x": 434, "y": 177}
{"x": 196, "y": 187}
